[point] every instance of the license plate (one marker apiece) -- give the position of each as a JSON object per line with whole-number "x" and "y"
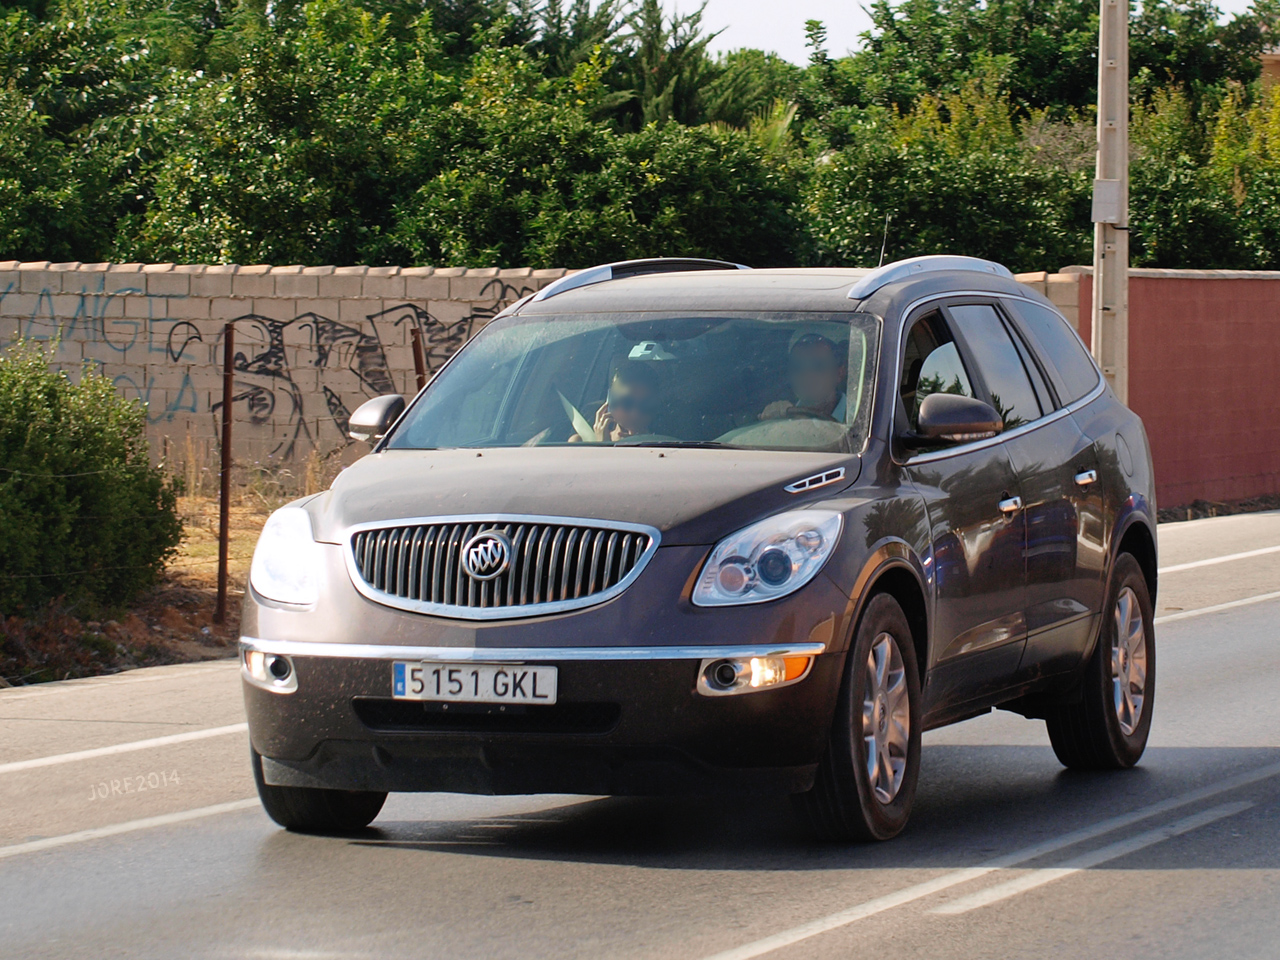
{"x": 473, "y": 682}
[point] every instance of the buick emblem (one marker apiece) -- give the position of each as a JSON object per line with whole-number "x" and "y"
{"x": 486, "y": 555}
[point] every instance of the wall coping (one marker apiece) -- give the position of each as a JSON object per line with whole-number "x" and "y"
{"x": 489, "y": 273}
{"x": 1186, "y": 274}
{"x": 260, "y": 269}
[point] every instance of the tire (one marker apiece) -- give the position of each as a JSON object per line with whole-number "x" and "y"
{"x": 1108, "y": 728}
{"x": 848, "y": 800}
{"x": 313, "y": 810}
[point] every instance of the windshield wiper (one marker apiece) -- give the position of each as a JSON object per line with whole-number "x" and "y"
{"x": 680, "y": 443}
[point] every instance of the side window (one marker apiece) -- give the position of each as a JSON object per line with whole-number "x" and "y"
{"x": 1069, "y": 366}
{"x": 998, "y": 363}
{"x": 930, "y": 364}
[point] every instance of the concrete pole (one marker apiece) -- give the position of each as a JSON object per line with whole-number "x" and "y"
{"x": 1110, "y": 339}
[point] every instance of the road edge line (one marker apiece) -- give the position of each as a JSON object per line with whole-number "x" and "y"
{"x": 1214, "y": 561}
{"x": 129, "y": 826}
{"x": 1216, "y": 608}
{"x": 127, "y": 747}
{"x": 918, "y": 891}
{"x": 1044, "y": 876}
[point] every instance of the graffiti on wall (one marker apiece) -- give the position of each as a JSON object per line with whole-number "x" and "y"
{"x": 296, "y": 379}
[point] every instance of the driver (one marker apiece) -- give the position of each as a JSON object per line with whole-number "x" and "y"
{"x": 628, "y": 411}
{"x": 817, "y": 372}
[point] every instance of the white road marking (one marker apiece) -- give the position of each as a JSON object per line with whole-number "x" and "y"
{"x": 1217, "y": 607}
{"x": 1122, "y": 848}
{"x": 13, "y": 694}
{"x": 129, "y": 747}
{"x": 956, "y": 877}
{"x": 1215, "y": 560}
{"x": 97, "y": 833}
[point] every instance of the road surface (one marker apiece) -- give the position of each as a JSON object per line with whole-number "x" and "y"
{"x": 128, "y": 828}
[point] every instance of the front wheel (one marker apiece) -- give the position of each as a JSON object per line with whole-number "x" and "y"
{"x": 315, "y": 810}
{"x": 1108, "y": 728}
{"x": 866, "y": 782}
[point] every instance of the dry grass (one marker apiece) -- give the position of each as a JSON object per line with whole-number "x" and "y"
{"x": 1199, "y": 509}
{"x": 171, "y": 623}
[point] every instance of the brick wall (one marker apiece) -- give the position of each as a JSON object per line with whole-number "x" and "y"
{"x": 1204, "y": 362}
{"x": 314, "y": 342}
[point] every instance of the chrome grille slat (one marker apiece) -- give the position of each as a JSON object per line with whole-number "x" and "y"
{"x": 567, "y": 563}
{"x": 516, "y": 542}
{"x": 583, "y": 553}
{"x": 424, "y": 569}
{"x": 402, "y": 562}
{"x": 610, "y": 550}
{"x": 553, "y": 563}
{"x": 539, "y": 569}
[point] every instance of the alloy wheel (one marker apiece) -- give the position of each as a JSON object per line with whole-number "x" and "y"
{"x": 1128, "y": 661}
{"x": 886, "y": 718}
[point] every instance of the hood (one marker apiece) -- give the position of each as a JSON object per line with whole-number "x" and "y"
{"x": 694, "y": 496}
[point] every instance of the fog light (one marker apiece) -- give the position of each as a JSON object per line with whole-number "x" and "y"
{"x": 725, "y": 674}
{"x": 271, "y": 671}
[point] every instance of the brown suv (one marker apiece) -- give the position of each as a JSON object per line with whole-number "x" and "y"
{"x": 677, "y": 525}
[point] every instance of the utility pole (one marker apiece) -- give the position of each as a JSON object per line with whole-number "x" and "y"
{"x": 1110, "y": 338}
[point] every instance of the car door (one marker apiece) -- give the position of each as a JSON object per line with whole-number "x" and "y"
{"x": 1053, "y": 460}
{"x": 1058, "y": 464}
{"x": 977, "y": 534}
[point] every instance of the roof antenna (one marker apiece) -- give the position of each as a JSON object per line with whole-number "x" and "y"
{"x": 885, "y": 242}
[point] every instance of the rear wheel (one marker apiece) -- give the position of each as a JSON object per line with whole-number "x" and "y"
{"x": 314, "y": 810}
{"x": 866, "y": 782}
{"x": 1108, "y": 728}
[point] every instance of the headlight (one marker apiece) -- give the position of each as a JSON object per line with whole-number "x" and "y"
{"x": 286, "y": 561}
{"x": 768, "y": 559}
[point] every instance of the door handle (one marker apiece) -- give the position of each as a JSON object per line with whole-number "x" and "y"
{"x": 1086, "y": 477}
{"x": 1010, "y": 505}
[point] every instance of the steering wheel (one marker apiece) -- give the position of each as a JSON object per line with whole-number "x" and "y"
{"x": 800, "y": 413}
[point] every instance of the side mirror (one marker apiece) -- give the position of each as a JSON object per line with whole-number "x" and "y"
{"x": 374, "y": 418}
{"x": 951, "y": 418}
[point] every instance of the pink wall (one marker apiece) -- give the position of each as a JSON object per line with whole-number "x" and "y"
{"x": 1204, "y": 370}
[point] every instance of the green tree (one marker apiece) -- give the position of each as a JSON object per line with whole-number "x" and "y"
{"x": 951, "y": 176}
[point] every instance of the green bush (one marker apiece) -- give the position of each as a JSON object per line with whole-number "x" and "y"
{"x": 83, "y": 514}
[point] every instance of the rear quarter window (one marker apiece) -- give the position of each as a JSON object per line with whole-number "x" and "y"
{"x": 1069, "y": 364}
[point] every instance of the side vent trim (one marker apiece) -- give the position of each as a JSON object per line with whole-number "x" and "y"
{"x": 815, "y": 481}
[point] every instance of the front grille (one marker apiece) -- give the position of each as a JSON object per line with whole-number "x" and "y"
{"x": 551, "y": 562}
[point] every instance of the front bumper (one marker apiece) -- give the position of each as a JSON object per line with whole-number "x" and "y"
{"x": 627, "y": 722}
{"x": 629, "y": 719}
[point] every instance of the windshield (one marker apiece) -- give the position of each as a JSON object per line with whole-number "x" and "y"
{"x": 799, "y": 381}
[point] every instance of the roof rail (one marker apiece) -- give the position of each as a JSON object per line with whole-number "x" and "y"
{"x": 631, "y": 268}
{"x": 902, "y": 269}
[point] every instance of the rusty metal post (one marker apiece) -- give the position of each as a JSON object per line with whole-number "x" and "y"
{"x": 419, "y": 358}
{"x": 224, "y": 494}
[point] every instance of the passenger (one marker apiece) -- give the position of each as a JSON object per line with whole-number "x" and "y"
{"x": 817, "y": 372}
{"x": 628, "y": 411}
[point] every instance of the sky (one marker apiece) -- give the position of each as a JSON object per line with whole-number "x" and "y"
{"x": 778, "y": 25}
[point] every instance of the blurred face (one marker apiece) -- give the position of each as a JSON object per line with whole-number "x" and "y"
{"x": 631, "y": 405}
{"x": 816, "y": 374}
